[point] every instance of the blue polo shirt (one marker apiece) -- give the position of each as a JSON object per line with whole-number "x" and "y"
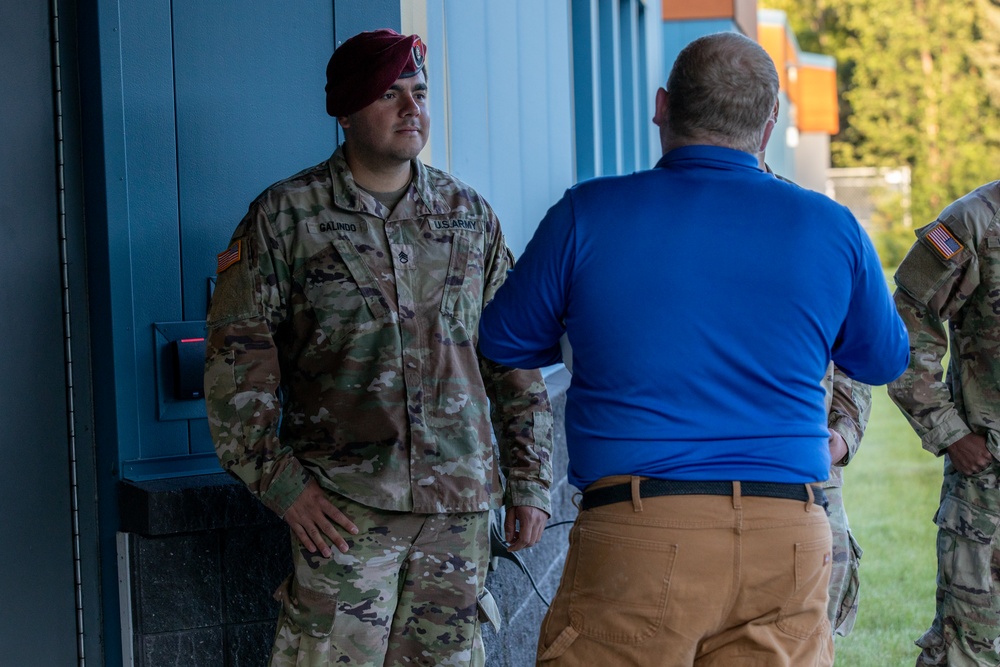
{"x": 704, "y": 300}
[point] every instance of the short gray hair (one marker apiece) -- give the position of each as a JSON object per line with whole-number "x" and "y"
{"x": 723, "y": 88}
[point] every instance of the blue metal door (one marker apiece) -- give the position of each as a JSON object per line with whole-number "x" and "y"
{"x": 195, "y": 106}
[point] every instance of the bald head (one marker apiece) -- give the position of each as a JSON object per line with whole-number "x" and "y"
{"x": 722, "y": 90}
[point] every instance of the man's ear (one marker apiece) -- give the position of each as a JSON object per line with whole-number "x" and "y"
{"x": 344, "y": 122}
{"x": 661, "y": 111}
{"x": 769, "y": 127}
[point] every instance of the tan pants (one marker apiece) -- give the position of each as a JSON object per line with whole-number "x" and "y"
{"x": 682, "y": 581}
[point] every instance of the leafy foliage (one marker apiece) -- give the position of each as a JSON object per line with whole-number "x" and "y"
{"x": 919, "y": 84}
{"x": 891, "y": 235}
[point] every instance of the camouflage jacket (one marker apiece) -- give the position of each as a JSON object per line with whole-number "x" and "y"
{"x": 952, "y": 275}
{"x": 848, "y": 409}
{"x": 342, "y": 344}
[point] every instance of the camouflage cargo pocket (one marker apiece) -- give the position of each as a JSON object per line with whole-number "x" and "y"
{"x": 847, "y": 611}
{"x": 310, "y": 611}
{"x": 342, "y": 291}
{"x": 462, "y": 298}
{"x": 965, "y": 549}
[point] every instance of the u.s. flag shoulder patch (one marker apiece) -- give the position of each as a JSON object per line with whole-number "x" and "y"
{"x": 229, "y": 256}
{"x": 942, "y": 240}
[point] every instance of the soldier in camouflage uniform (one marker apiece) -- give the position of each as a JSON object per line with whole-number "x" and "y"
{"x": 948, "y": 293}
{"x": 344, "y": 387}
{"x": 850, "y": 406}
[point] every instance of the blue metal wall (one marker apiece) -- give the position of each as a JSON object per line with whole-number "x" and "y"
{"x": 527, "y": 97}
{"x": 501, "y": 104}
{"x": 203, "y": 106}
{"x": 617, "y": 65}
{"x": 214, "y": 105}
{"x": 190, "y": 110}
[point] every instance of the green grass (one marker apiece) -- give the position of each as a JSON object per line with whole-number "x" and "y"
{"x": 891, "y": 491}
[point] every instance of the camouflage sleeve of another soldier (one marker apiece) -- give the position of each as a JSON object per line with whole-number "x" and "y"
{"x": 934, "y": 283}
{"x": 242, "y": 371}
{"x": 850, "y": 408}
{"x": 521, "y": 416}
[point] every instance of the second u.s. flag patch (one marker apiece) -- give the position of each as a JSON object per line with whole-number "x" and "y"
{"x": 228, "y": 257}
{"x": 942, "y": 240}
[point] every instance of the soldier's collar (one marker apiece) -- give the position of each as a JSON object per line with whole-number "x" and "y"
{"x": 430, "y": 201}
{"x": 348, "y": 195}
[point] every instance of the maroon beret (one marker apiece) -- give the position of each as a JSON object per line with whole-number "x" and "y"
{"x": 363, "y": 68}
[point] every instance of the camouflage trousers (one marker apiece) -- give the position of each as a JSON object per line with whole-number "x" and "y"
{"x": 966, "y": 627}
{"x": 844, "y": 578}
{"x": 408, "y": 592}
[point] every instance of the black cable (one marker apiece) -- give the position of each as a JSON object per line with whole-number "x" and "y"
{"x": 535, "y": 586}
{"x": 499, "y": 549}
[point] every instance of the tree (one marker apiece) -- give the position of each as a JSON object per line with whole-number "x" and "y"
{"x": 919, "y": 85}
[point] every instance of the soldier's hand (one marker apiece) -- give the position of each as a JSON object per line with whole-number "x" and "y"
{"x": 312, "y": 516}
{"x": 838, "y": 448}
{"x": 969, "y": 454}
{"x": 523, "y": 526}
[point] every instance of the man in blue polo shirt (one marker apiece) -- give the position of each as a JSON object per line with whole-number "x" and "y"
{"x": 704, "y": 300}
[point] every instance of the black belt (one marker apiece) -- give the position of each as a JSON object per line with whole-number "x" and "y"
{"x": 650, "y": 488}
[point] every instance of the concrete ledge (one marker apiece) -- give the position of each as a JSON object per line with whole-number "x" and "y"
{"x": 189, "y": 504}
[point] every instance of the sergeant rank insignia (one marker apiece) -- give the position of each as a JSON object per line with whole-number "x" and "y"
{"x": 943, "y": 241}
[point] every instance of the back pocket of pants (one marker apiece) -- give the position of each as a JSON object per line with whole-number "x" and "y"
{"x": 804, "y": 614}
{"x": 620, "y": 587}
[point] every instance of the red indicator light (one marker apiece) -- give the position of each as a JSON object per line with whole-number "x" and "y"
{"x": 191, "y": 340}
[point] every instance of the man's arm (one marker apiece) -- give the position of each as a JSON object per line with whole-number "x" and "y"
{"x": 921, "y": 393}
{"x": 242, "y": 376}
{"x": 522, "y": 421}
{"x": 848, "y": 417}
{"x": 522, "y": 326}
{"x": 930, "y": 290}
{"x": 871, "y": 346}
